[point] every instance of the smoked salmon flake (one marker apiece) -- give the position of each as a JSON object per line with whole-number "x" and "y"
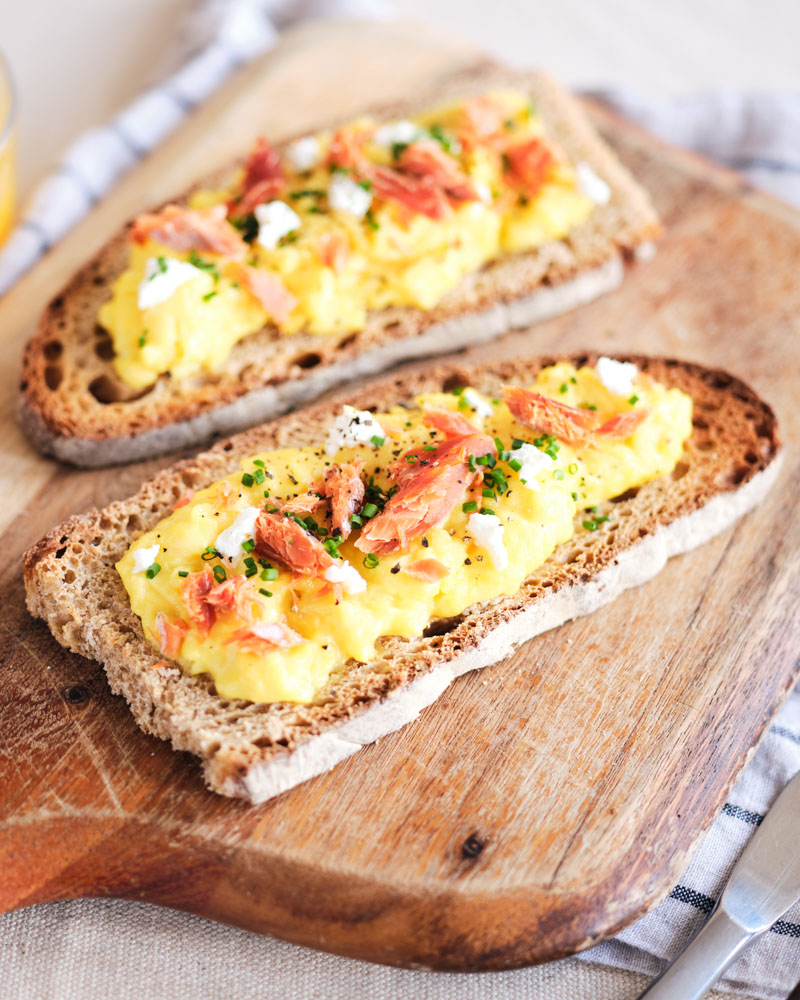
{"x": 431, "y": 484}
{"x": 186, "y": 229}
{"x": 283, "y": 539}
{"x": 344, "y": 489}
{"x": 170, "y": 634}
{"x": 568, "y": 423}
{"x": 529, "y": 163}
{"x": 268, "y": 289}
{"x": 262, "y": 180}
{"x": 264, "y": 638}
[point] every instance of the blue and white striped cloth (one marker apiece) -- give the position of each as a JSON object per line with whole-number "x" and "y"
{"x": 759, "y": 135}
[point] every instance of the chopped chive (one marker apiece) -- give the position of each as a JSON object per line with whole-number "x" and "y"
{"x": 590, "y": 525}
{"x": 563, "y": 388}
{"x": 219, "y": 574}
{"x": 498, "y": 444}
{"x": 259, "y": 462}
{"x": 269, "y": 573}
{"x": 398, "y": 148}
{"x": 488, "y": 493}
{"x": 356, "y": 520}
{"x": 142, "y": 340}
{"x": 266, "y": 593}
{"x": 472, "y": 463}
{"x": 247, "y": 479}
{"x": 412, "y": 459}
{"x": 372, "y": 222}
{"x": 573, "y": 380}
{"x": 370, "y": 510}
{"x": 209, "y": 296}
{"x": 248, "y": 545}
{"x": 371, "y": 560}
{"x": 572, "y": 468}
{"x": 377, "y": 440}
{"x": 429, "y": 447}
{"x": 469, "y": 506}
{"x": 183, "y": 572}
{"x": 458, "y": 390}
{"x": 259, "y": 475}
{"x": 516, "y": 444}
{"x": 486, "y": 510}
{"x": 463, "y": 404}
{"x": 515, "y": 465}
{"x": 307, "y": 193}
{"x": 152, "y": 570}
{"x": 558, "y": 473}
{"x": 574, "y": 497}
{"x": 633, "y": 400}
{"x": 209, "y": 552}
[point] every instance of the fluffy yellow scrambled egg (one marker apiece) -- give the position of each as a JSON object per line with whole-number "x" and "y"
{"x": 536, "y": 516}
{"x": 392, "y": 257}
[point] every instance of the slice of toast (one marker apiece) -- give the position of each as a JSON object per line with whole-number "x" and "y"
{"x": 257, "y": 751}
{"x": 74, "y": 406}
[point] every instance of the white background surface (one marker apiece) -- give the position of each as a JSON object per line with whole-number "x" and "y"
{"x": 75, "y": 63}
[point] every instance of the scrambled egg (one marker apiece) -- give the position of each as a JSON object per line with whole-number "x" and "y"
{"x": 392, "y": 257}
{"x": 535, "y": 517}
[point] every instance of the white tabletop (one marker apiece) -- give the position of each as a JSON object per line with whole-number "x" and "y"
{"x": 93, "y": 57}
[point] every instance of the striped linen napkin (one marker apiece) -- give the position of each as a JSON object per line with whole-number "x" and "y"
{"x": 757, "y": 135}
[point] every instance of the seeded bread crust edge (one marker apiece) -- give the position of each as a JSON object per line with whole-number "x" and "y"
{"x": 257, "y": 751}
{"x": 74, "y": 407}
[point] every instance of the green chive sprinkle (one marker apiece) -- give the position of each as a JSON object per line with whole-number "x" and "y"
{"x": 633, "y": 400}
{"x": 209, "y": 296}
{"x": 515, "y": 465}
{"x": 219, "y": 574}
{"x": 247, "y": 479}
{"x": 558, "y": 473}
{"x": 371, "y": 560}
{"x": 270, "y": 573}
{"x": 266, "y": 593}
{"x": 370, "y": 510}
{"x": 572, "y": 468}
{"x": 563, "y": 388}
{"x": 590, "y": 525}
{"x": 153, "y": 570}
{"x": 183, "y": 572}
{"x": 377, "y": 440}
{"x": 469, "y": 506}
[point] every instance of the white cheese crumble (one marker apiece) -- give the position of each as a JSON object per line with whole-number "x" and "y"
{"x": 353, "y": 427}
{"x": 484, "y": 192}
{"x": 478, "y": 403}
{"x": 392, "y": 132}
{"x": 592, "y": 186}
{"x": 616, "y": 376}
{"x": 163, "y": 276}
{"x": 487, "y": 532}
{"x": 532, "y": 460}
{"x": 229, "y": 541}
{"x": 349, "y": 577}
{"x": 345, "y": 195}
{"x": 143, "y": 559}
{"x": 275, "y": 220}
{"x": 304, "y": 154}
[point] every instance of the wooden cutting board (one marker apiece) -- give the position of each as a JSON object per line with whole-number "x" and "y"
{"x": 539, "y": 805}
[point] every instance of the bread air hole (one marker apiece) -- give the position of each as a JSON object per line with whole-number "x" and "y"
{"x": 308, "y": 360}
{"x": 442, "y": 626}
{"x": 53, "y": 350}
{"x": 53, "y": 376}
{"x": 107, "y": 390}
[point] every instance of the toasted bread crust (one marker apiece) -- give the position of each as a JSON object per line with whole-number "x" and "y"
{"x": 70, "y": 390}
{"x": 254, "y": 750}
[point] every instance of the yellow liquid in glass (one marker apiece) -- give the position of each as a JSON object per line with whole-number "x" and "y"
{"x": 8, "y": 160}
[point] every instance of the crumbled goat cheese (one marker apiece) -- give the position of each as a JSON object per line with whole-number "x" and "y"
{"x": 304, "y": 154}
{"x": 592, "y": 186}
{"x": 533, "y": 461}
{"x": 478, "y": 404}
{"x": 345, "y": 195}
{"x": 163, "y": 276}
{"x": 353, "y": 427}
{"x": 229, "y": 541}
{"x": 349, "y": 577}
{"x": 275, "y": 220}
{"x": 393, "y": 132}
{"x": 616, "y": 376}
{"x": 487, "y": 532}
{"x": 143, "y": 559}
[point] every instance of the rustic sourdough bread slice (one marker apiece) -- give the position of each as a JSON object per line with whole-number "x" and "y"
{"x": 75, "y": 407}
{"x": 259, "y": 750}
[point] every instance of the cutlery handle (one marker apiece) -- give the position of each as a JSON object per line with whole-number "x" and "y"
{"x": 702, "y": 961}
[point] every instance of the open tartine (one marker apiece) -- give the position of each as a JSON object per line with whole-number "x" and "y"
{"x": 256, "y": 751}
{"x": 75, "y": 406}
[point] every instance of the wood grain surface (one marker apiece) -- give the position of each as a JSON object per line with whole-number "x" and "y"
{"x": 541, "y": 804}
